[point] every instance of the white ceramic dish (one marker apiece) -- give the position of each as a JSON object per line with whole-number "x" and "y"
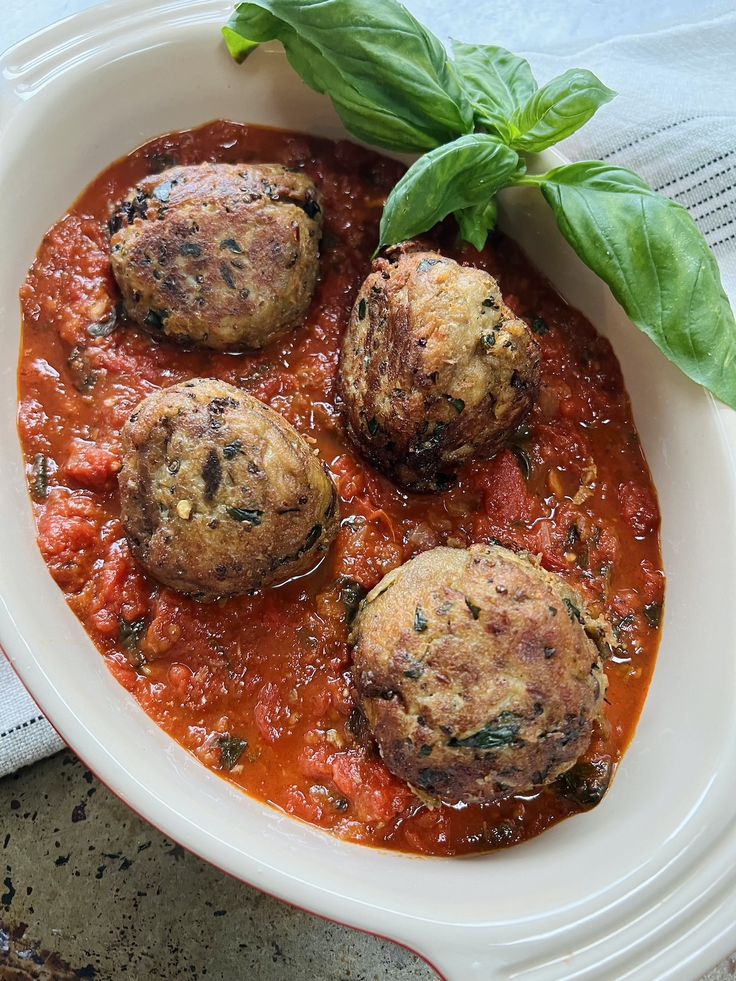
{"x": 641, "y": 887}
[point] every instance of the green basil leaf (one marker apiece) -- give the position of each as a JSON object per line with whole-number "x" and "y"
{"x": 497, "y": 81}
{"x": 40, "y": 477}
{"x": 476, "y": 222}
{"x": 503, "y": 731}
{"x": 389, "y": 78}
{"x": 457, "y": 175}
{"x": 238, "y": 46}
{"x": 557, "y": 110}
{"x": 365, "y": 120}
{"x": 231, "y": 749}
{"x": 656, "y": 262}
{"x": 371, "y": 123}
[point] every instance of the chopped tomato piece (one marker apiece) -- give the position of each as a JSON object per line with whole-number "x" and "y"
{"x": 639, "y": 507}
{"x": 270, "y": 713}
{"x": 91, "y": 465}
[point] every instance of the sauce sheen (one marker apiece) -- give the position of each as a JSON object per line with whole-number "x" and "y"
{"x": 259, "y": 687}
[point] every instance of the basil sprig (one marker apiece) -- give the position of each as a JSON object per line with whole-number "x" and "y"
{"x": 389, "y": 78}
{"x": 454, "y": 177}
{"x": 394, "y": 85}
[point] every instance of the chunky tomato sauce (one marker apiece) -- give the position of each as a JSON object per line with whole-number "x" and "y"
{"x": 259, "y": 687}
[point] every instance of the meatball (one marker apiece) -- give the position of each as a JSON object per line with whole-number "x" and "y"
{"x": 434, "y": 367}
{"x": 221, "y": 256}
{"x": 479, "y": 673}
{"x": 219, "y": 494}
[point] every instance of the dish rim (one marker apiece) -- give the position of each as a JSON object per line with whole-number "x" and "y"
{"x": 53, "y": 51}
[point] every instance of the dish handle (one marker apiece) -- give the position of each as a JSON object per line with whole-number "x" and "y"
{"x": 455, "y": 956}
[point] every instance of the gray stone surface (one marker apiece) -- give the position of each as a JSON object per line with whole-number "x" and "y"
{"x": 84, "y": 879}
{"x": 89, "y": 890}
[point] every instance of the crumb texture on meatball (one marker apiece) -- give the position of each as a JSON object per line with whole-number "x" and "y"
{"x": 479, "y": 673}
{"x": 434, "y": 367}
{"x": 219, "y": 493}
{"x": 222, "y": 256}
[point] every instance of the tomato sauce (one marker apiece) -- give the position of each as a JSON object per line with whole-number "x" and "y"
{"x": 258, "y": 688}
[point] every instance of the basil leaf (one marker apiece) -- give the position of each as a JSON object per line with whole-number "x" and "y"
{"x": 351, "y": 594}
{"x": 557, "y": 110}
{"x": 653, "y": 614}
{"x": 131, "y": 633}
{"x": 475, "y": 610}
{"x": 476, "y": 222}
{"x": 656, "y": 262}
{"x": 503, "y": 731}
{"x": 458, "y": 175}
{"x": 40, "y": 477}
{"x": 389, "y": 78}
{"x": 238, "y": 46}
{"x": 420, "y": 620}
{"x": 250, "y": 515}
{"x": 231, "y": 749}
{"x": 371, "y": 123}
{"x": 497, "y": 81}
{"x": 368, "y": 121}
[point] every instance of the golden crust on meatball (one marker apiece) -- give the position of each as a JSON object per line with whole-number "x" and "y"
{"x": 434, "y": 367}
{"x": 221, "y": 256}
{"x": 220, "y": 495}
{"x": 480, "y": 674}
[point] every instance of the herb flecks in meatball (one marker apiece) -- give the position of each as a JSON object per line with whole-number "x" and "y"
{"x": 480, "y": 673}
{"x": 220, "y": 495}
{"x": 221, "y": 256}
{"x": 434, "y": 367}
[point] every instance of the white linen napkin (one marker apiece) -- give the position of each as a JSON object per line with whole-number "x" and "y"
{"x": 25, "y": 736}
{"x": 674, "y": 122}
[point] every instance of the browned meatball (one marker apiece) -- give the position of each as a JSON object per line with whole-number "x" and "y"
{"x": 222, "y": 256}
{"x": 219, "y": 493}
{"x": 434, "y": 367}
{"x": 480, "y": 673}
